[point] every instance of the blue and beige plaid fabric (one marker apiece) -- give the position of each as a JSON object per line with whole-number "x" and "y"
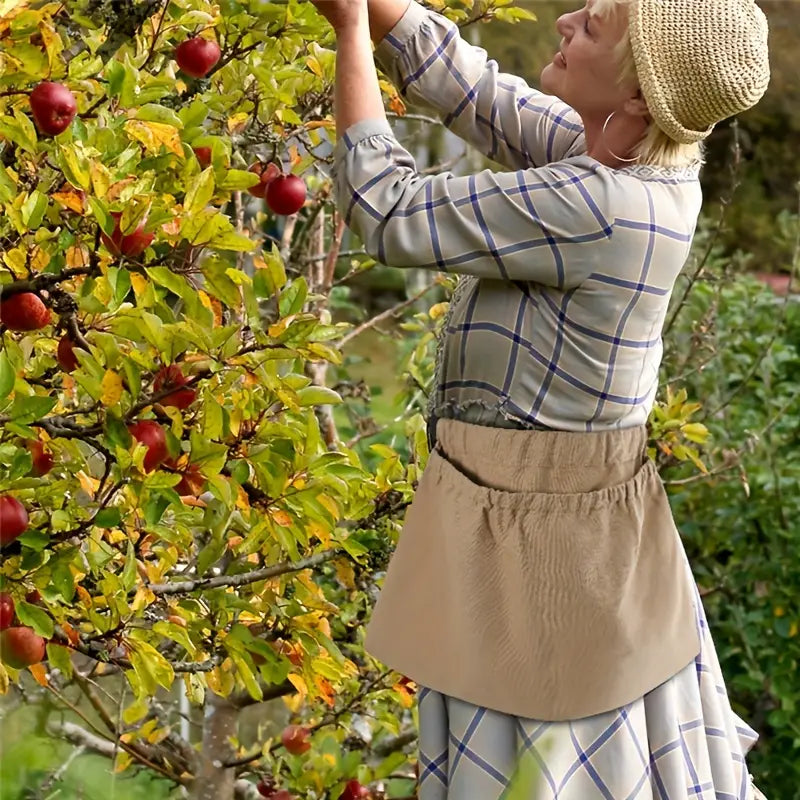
{"x": 681, "y": 741}
{"x": 568, "y": 265}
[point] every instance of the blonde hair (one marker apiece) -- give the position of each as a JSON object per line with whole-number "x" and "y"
{"x": 656, "y": 148}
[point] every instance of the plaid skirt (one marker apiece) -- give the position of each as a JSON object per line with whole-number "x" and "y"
{"x": 680, "y": 741}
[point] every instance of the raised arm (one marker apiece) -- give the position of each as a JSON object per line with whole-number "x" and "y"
{"x": 499, "y": 114}
{"x": 527, "y": 225}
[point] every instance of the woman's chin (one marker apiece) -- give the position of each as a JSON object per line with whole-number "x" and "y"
{"x": 547, "y": 80}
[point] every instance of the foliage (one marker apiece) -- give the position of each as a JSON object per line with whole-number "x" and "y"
{"x": 735, "y": 347}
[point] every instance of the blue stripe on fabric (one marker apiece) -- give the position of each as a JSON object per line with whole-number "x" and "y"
{"x": 600, "y": 336}
{"x": 651, "y": 227}
{"x": 432, "y": 58}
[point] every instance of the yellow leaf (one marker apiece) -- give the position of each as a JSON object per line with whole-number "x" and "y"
{"x": 40, "y": 673}
{"x": 77, "y": 256}
{"x": 312, "y": 62}
{"x": 139, "y": 283}
{"x": 101, "y": 178}
{"x": 330, "y": 504}
{"x": 213, "y": 305}
{"x": 238, "y": 122}
{"x": 4, "y": 682}
{"x": 242, "y": 500}
{"x": 112, "y": 388}
{"x": 345, "y": 573}
{"x": 71, "y": 200}
{"x": 16, "y": 259}
{"x": 299, "y": 683}
{"x": 282, "y": 518}
{"x": 40, "y": 259}
{"x": 155, "y": 134}
{"x": 294, "y": 156}
{"x": 88, "y": 483}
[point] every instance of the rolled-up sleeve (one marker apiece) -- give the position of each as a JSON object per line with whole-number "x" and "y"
{"x": 546, "y": 225}
{"x": 497, "y": 113}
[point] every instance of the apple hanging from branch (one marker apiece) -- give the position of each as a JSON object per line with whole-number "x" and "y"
{"x": 170, "y": 377}
{"x": 7, "y": 611}
{"x": 267, "y": 173}
{"x": 153, "y": 437}
{"x": 21, "y": 647}
{"x": 286, "y": 194}
{"x": 130, "y": 244}
{"x": 65, "y": 354}
{"x": 295, "y": 738}
{"x": 13, "y": 519}
{"x": 53, "y": 107}
{"x": 24, "y": 311}
{"x": 196, "y": 56}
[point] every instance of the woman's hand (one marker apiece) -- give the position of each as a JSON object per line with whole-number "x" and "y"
{"x": 342, "y": 14}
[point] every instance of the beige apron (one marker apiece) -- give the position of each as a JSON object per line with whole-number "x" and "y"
{"x": 538, "y": 573}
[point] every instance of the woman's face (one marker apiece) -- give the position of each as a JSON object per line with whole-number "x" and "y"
{"x": 584, "y": 72}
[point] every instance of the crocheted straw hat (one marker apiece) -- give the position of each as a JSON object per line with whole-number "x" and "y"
{"x": 698, "y": 61}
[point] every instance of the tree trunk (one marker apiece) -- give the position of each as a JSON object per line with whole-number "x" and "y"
{"x": 213, "y": 781}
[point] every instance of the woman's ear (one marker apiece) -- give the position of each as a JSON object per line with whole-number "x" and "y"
{"x": 636, "y": 105}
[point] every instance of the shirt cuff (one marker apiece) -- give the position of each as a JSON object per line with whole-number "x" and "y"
{"x": 357, "y": 132}
{"x": 394, "y": 43}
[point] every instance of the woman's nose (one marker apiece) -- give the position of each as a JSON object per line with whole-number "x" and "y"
{"x": 564, "y": 24}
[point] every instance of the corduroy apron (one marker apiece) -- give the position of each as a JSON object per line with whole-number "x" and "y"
{"x": 538, "y": 573}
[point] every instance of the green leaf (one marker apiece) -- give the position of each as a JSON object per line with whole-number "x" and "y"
{"x": 33, "y": 209}
{"x": 8, "y": 189}
{"x": 129, "y": 571}
{"x": 63, "y": 580}
{"x": 7, "y": 376}
{"x": 293, "y": 297}
{"x": 116, "y": 432}
{"x": 150, "y": 666}
{"x": 230, "y": 240}
{"x": 317, "y": 395}
{"x": 238, "y": 179}
{"x": 32, "y": 408}
{"x": 152, "y": 112}
{"x": 60, "y": 658}
{"x": 108, "y": 518}
{"x": 199, "y": 192}
{"x": 35, "y": 617}
{"x": 74, "y": 164}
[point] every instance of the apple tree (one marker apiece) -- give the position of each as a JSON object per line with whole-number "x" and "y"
{"x": 178, "y": 513}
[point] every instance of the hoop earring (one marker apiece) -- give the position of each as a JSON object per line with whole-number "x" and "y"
{"x": 603, "y": 136}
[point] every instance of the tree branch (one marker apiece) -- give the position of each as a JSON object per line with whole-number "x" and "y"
{"x": 244, "y": 578}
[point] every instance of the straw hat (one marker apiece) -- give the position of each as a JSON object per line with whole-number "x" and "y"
{"x": 698, "y": 61}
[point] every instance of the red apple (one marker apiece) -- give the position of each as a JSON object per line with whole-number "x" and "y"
{"x": 265, "y": 787}
{"x": 20, "y": 647}
{"x": 34, "y": 597}
{"x": 169, "y": 377}
{"x": 24, "y": 311}
{"x": 203, "y": 155}
{"x": 267, "y": 173}
{"x": 280, "y": 794}
{"x": 53, "y": 107}
{"x": 354, "y": 791}
{"x": 131, "y": 244}
{"x": 152, "y": 436}
{"x": 6, "y": 611}
{"x": 295, "y": 739}
{"x": 196, "y": 56}
{"x": 42, "y": 459}
{"x": 13, "y": 519}
{"x": 286, "y": 194}
{"x": 65, "y": 354}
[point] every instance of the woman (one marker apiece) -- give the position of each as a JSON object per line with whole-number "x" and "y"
{"x": 539, "y": 593}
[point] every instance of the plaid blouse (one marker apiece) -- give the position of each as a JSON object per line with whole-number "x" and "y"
{"x": 566, "y": 265}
